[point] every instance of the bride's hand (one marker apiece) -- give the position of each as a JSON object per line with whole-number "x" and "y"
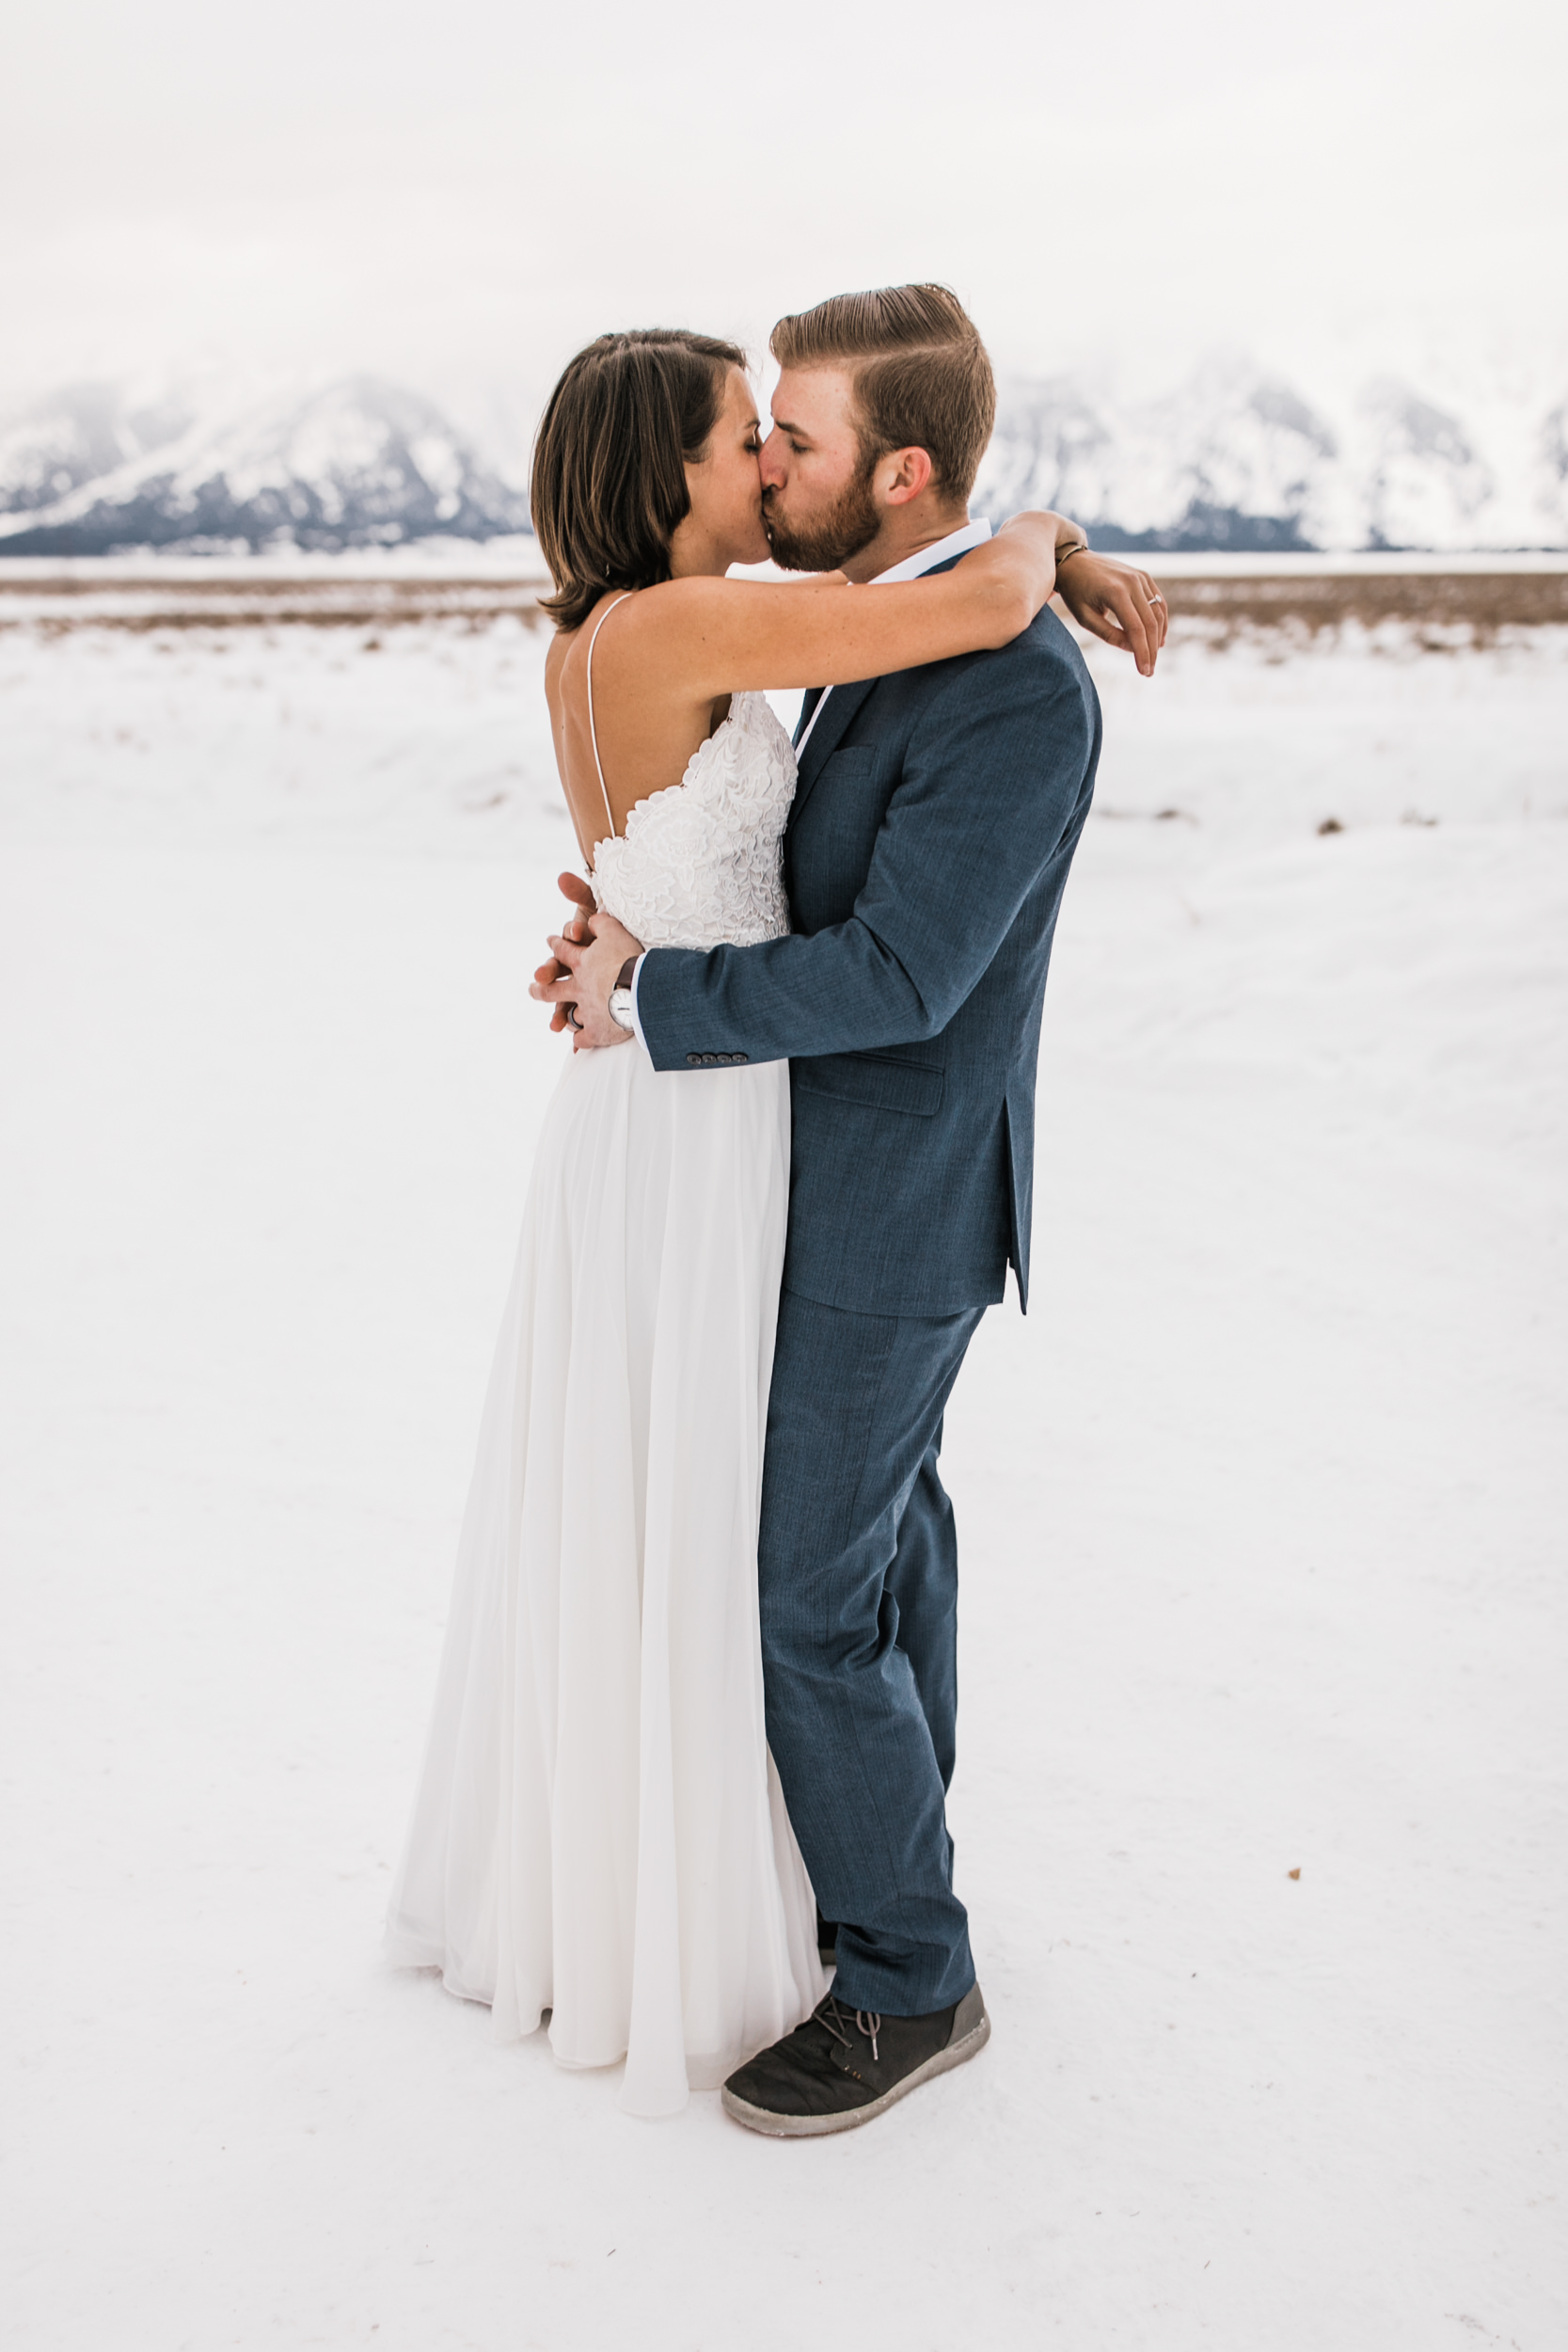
{"x": 1117, "y": 603}
{"x": 588, "y": 975}
{"x": 1114, "y": 601}
{"x": 577, "y": 927}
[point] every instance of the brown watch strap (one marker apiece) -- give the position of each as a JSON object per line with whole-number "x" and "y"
{"x": 622, "y": 978}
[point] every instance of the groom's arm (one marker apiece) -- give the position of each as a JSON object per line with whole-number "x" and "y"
{"x": 996, "y": 785}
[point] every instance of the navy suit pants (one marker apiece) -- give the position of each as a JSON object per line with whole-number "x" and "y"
{"x": 858, "y": 1571}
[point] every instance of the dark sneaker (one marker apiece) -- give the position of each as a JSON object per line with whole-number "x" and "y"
{"x": 843, "y": 2066}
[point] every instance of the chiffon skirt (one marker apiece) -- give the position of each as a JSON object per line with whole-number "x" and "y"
{"x": 598, "y": 1831}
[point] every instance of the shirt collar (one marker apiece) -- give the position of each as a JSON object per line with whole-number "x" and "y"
{"x": 958, "y": 542}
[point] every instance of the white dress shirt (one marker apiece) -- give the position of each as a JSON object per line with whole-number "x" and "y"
{"x": 958, "y": 542}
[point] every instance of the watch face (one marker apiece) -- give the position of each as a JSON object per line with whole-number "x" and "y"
{"x": 620, "y": 1007}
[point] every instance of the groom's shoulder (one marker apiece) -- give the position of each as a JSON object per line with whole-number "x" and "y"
{"x": 1043, "y": 665}
{"x": 1046, "y": 651}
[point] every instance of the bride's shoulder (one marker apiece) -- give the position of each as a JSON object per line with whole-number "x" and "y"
{"x": 687, "y": 603}
{"x": 629, "y": 620}
{"x": 648, "y": 639}
{"x": 566, "y": 658}
{"x": 672, "y": 603}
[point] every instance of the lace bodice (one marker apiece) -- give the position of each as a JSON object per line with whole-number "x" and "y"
{"x": 702, "y": 862}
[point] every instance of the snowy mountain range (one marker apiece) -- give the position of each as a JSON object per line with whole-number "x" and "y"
{"x": 1236, "y": 458}
{"x": 359, "y": 464}
{"x": 1233, "y": 458}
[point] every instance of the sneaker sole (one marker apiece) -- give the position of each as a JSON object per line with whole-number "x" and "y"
{"x": 819, "y": 2126}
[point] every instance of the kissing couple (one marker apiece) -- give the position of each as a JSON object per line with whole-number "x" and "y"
{"x": 694, "y": 1724}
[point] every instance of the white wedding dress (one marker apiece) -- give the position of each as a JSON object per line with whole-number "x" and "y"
{"x": 598, "y": 1831}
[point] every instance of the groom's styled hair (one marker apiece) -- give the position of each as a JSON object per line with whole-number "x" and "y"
{"x": 921, "y": 376}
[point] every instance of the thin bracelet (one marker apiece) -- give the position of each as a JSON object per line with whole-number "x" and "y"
{"x": 1065, "y": 555}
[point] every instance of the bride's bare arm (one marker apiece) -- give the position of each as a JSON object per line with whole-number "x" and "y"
{"x": 709, "y": 636}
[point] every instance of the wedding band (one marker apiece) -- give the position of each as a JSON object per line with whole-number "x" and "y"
{"x": 572, "y": 1020}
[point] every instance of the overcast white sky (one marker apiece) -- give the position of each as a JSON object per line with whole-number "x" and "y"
{"x": 461, "y": 192}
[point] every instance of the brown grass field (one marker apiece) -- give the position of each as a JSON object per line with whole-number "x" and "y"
{"x": 1443, "y": 610}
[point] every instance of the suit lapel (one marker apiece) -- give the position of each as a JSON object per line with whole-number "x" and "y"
{"x": 825, "y": 737}
{"x": 842, "y": 703}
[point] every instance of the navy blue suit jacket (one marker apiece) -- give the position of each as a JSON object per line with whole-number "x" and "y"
{"x": 934, "y": 822}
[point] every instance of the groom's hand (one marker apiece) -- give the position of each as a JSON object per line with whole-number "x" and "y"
{"x": 1116, "y": 602}
{"x": 589, "y": 969}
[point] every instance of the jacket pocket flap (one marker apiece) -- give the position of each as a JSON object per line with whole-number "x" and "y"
{"x": 876, "y": 1080}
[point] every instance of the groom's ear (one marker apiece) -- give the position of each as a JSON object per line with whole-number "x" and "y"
{"x": 903, "y": 473}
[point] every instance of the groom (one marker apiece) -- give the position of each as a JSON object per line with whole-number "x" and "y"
{"x": 934, "y": 822}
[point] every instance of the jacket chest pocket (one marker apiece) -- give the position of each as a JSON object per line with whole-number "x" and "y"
{"x": 851, "y": 780}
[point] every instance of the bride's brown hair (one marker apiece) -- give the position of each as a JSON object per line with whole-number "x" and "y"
{"x": 631, "y": 413}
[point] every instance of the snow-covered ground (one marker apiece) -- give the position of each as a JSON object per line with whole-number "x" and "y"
{"x": 1262, "y": 1516}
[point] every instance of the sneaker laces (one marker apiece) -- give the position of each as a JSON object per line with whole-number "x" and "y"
{"x": 828, "y": 2014}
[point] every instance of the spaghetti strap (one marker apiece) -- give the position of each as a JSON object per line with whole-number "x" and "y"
{"x": 592, "y": 731}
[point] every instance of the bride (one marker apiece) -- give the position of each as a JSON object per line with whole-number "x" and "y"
{"x": 598, "y": 1835}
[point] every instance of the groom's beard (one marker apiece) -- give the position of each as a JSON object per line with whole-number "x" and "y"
{"x": 822, "y": 546}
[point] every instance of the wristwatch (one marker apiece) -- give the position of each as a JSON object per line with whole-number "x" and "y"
{"x": 620, "y": 995}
